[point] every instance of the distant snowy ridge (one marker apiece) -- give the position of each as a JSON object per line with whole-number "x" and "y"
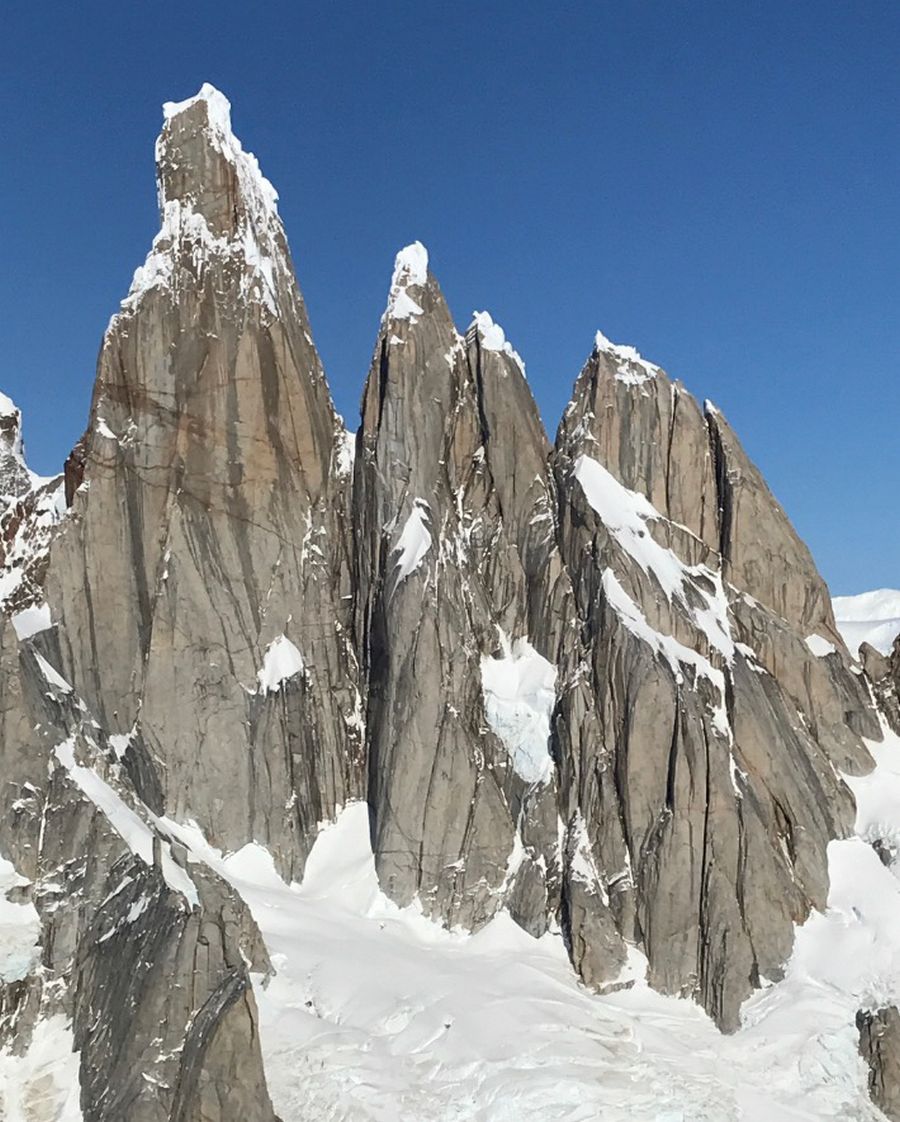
{"x": 869, "y": 617}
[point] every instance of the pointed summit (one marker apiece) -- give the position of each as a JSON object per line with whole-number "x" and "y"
{"x": 214, "y": 202}
{"x": 492, "y": 337}
{"x": 410, "y": 272}
{"x": 15, "y": 478}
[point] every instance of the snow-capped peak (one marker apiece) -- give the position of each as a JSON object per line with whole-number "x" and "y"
{"x": 258, "y": 194}
{"x": 493, "y": 337}
{"x": 8, "y": 407}
{"x": 210, "y": 222}
{"x": 218, "y": 107}
{"x": 410, "y": 271}
{"x": 633, "y": 369}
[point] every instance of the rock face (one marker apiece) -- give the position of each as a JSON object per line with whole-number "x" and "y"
{"x": 883, "y": 671}
{"x": 707, "y": 783}
{"x": 598, "y": 685}
{"x": 879, "y": 1045}
{"x": 199, "y": 589}
{"x": 210, "y": 524}
{"x": 457, "y": 566}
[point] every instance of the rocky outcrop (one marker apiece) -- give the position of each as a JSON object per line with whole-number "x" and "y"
{"x": 15, "y": 478}
{"x": 182, "y": 603}
{"x": 706, "y": 789}
{"x": 457, "y": 568}
{"x": 879, "y": 1045}
{"x": 883, "y": 672}
{"x": 146, "y": 954}
{"x": 209, "y": 532}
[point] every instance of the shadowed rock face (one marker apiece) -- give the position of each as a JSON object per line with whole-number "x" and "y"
{"x": 879, "y": 1045}
{"x": 576, "y": 682}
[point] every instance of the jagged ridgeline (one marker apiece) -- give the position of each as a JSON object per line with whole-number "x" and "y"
{"x": 597, "y": 685}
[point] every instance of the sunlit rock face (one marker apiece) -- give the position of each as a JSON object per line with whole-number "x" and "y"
{"x": 595, "y": 685}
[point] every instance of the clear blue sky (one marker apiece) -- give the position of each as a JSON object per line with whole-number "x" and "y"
{"x": 716, "y": 183}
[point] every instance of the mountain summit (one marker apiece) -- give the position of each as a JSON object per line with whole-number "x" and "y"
{"x": 433, "y": 772}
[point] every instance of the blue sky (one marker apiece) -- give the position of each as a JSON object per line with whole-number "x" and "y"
{"x": 715, "y": 183}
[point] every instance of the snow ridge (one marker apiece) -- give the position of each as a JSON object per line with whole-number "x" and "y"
{"x": 493, "y": 337}
{"x": 870, "y": 617}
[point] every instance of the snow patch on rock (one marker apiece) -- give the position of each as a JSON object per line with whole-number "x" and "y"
{"x": 676, "y": 654}
{"x": 133, "y": 830}
{"x": 820, "y": 646}
{"x": 519, "y": 688}
{"x": 20, "y": 929}
{"x": 626, "y": 515}
{"x": 281, "y": 662}
{"x": 185, "y": 233}
{"x": 414, "y": 541}
{"x": 31, "y": 621}
{"x": 410, "y": 271}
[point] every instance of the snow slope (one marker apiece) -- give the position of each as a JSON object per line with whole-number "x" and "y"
{"x": 375, "y": 1013}
{"x": 870, "y": 617}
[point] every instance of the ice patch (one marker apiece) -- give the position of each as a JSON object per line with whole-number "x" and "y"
{"x": 346, "y": 452}
{"x": 519, "y": 691}
{"x": 281, "y": 661}
{"x": 42, "y": 1085}
{"x": 20, "y": 930}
